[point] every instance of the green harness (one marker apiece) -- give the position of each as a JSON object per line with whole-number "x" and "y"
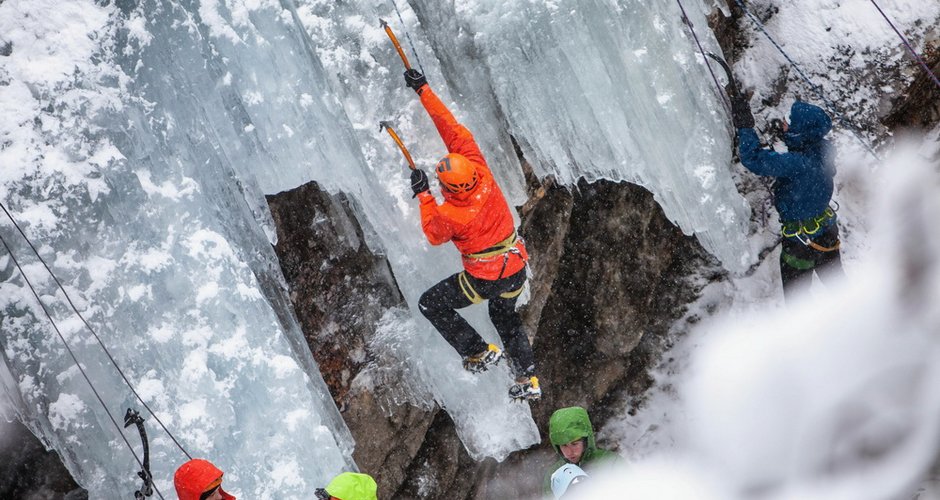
{"x": 809, "y": 227}
{"x": 804, "y": 230}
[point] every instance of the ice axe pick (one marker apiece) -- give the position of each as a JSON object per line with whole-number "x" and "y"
{"x": 394, "y": 39}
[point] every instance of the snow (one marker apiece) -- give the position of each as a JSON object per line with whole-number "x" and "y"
{"x": 832, "y": 396}
{"x": 846, "y": 48}
{"x": 66, "y": 411}
{"x": 137, "y": 144}
{"x": 133, "y": 201}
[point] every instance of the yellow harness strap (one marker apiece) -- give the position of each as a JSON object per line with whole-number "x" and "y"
{"x": 467, "y": 289}
{"x": 475, "y": 297}
{"x": 809, "y": 226}
{"x": 500, "y": 248}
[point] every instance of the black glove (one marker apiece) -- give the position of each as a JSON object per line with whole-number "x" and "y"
{"x": 415, "y": 79}
{"x": 741, "y": 115}
{"x": 419, "y": 181}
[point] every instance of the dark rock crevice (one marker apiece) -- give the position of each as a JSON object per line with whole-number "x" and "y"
{"x": 341, "y": 290}
{"x": 920, "y": 105}
{"x": 30, "y": 472}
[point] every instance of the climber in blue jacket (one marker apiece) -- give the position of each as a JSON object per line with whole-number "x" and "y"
{"x": 802, "y": 189}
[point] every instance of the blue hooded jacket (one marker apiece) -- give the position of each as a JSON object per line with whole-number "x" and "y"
{"x": 804, "y": 173}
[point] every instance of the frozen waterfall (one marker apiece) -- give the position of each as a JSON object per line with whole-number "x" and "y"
{"x": 137, "y": 140}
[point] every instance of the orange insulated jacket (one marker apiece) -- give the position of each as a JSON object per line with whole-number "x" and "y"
{"x": 479, "y": 221}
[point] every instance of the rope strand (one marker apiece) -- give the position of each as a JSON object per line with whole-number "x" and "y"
{"x": 815, "y": 88}
{"x": 721, "y": 91}
{"x": 908, "y": 45}
{"x": 93, "y": 332}
{"x": 408, "y": 36}
{"x": 55, "y": 327}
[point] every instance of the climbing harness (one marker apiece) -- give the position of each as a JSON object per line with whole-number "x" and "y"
{"x": 507, "y": 245}
{"x": 132, "y": 417}
{"x": 809, "y": 226}
{"x": 401, "y": 146}
{"x": 68, "y": 348}
{"x": 474, "y": 297}
{"x": 391, "y": 35}
{"x": 504, "y": 248}
{"x": 815, "y": 88}
{"x": 804, "y": 230}
{"x": 467, "y": 288}
{"x": 908, "y": 45}
{"x": 721, "y": 91}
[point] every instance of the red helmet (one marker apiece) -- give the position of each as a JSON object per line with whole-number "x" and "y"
{"x": 456, "y": 173}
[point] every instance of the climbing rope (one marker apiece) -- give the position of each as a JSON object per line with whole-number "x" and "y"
{"x": 816, "y": 88}
{"x": 408, "y": 36}
{"x": 908, "y": 45}
{"x": 721, "y": 91}
{"x": 91, "y": 329}
{"x": 68, "y": 348}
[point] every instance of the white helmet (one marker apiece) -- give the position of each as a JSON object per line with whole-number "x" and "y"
{"x": 564, "y": 477}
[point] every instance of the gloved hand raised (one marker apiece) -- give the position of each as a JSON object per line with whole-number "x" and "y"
{"x": 415, "y": 79}
{"x": 741, "y": 115}
{"x": 419, "y": 181}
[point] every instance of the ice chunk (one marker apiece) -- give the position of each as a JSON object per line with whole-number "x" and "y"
{"x": 122, "y": 160}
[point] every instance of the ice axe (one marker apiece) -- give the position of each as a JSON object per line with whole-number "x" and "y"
{"x": 394, "y": 39}
{"x": 388, "y": 126}
{"x": 732, "y": 85}
{"x": 146, "y": 490}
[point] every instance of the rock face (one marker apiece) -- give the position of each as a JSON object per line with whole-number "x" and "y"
{"x": 610, "y": 275}
{"x": 623, "y": 277}
{"x": 30, "y": 472}
{"x": 340, "y": 291}
{"x": 920, "y": 106}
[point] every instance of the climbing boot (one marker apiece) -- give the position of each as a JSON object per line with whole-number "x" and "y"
{"x": 482, "y": 361}
{"x": 525, "y": 389}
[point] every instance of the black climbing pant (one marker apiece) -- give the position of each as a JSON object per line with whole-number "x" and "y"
{"x": 439, "y": 305}
{"x": 798, "y": 261}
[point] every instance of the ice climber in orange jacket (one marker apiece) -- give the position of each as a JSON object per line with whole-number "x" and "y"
{"x": 198, "y": 479}
{"x": 476, "y": 218}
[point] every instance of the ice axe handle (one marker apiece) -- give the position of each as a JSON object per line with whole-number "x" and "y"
{"x": 394, "y": 39}
{"x": 401, "y": 146}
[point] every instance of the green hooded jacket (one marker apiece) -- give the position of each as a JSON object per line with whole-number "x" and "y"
{"x": 352, "y": 486}
{"x": 570, "y": 424}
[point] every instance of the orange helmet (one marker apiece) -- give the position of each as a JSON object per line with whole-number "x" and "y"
{"x": 456, "y": 173}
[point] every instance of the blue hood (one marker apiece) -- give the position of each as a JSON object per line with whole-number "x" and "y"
{"x": 808, "y": 125}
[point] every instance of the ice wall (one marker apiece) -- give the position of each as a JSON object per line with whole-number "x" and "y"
{"x": 585, "y": 88}
{"x": 844, "y": 407}
{"x": 122, "y": 153}
{"x": 593, "y": 88}
{"x": 603, "y": 89}
{"x": 138, "y": 138}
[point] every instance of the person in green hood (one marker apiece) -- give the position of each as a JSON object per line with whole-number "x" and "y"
{"x": 349, "y": 486}
{"x": 572, "y": 436}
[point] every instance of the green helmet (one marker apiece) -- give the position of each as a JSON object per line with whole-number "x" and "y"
{"x": 352, "y": 486}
